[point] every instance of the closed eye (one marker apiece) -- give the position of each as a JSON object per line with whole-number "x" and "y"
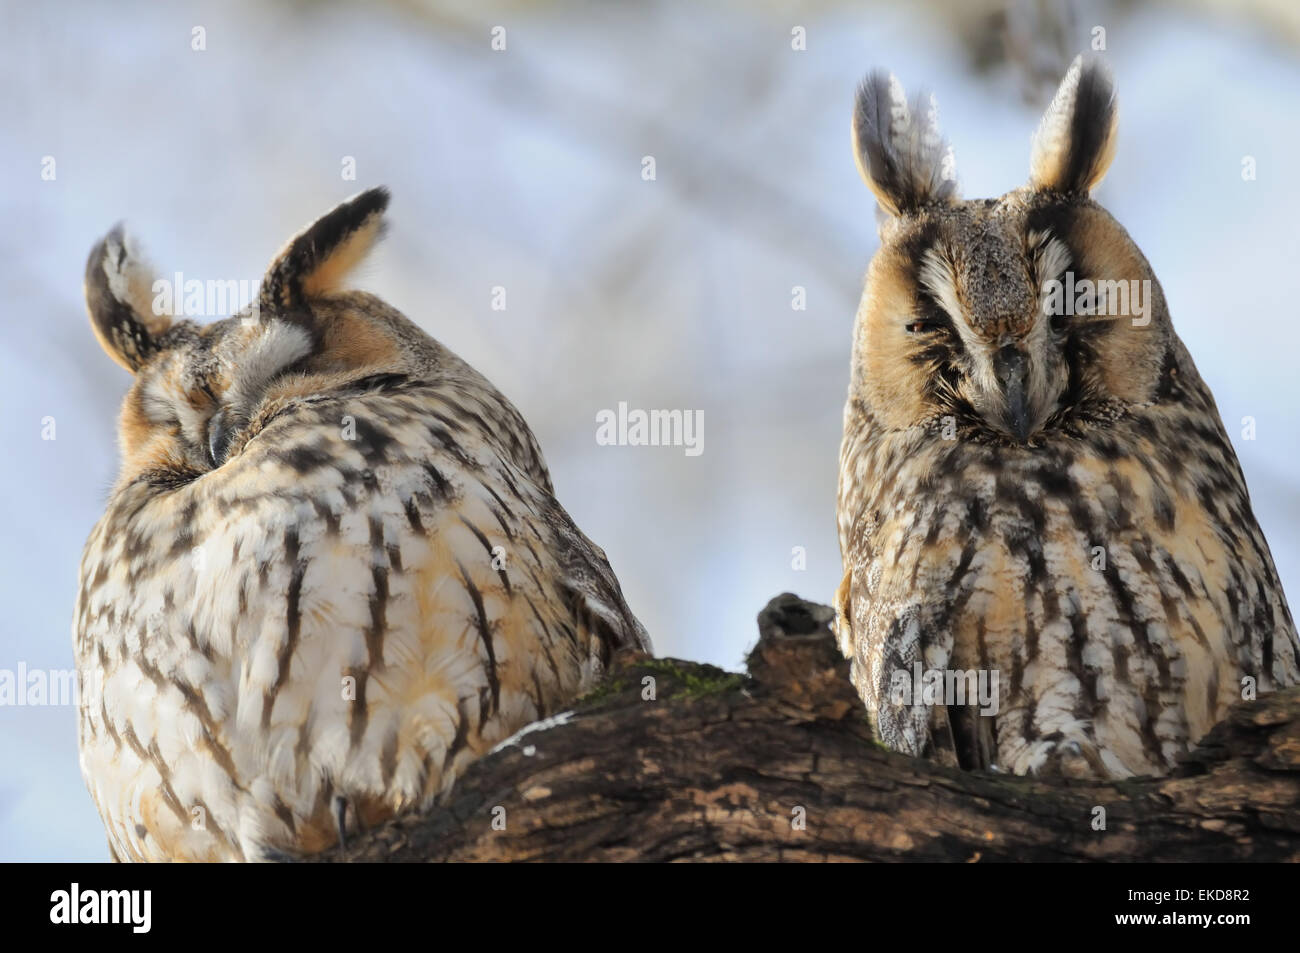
{"x": 930, "y": 323}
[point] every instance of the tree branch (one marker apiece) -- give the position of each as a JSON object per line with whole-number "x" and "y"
{"x": 780, "y": 764}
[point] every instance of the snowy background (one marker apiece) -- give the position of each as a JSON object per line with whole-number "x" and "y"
{"x": 522, "y": 169}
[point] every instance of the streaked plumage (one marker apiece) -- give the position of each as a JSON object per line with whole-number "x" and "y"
{"x": 1049, "y": 497}
{"x": 331, "y": 573}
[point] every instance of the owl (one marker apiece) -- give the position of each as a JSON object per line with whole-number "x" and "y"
{"x": 1051, "y": 565}
{"x": 331, "y": 573}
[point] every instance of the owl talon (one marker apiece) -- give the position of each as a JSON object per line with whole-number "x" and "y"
{"x": 1067, "y": 759}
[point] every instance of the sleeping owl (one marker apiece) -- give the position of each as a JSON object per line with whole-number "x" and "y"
{"x": 331, "y": 573}
{"x": 1050, "y": 560}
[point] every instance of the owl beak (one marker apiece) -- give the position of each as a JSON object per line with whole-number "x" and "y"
{"x": 1012, "y": 370}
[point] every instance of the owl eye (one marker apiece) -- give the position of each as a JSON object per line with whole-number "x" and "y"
{"x": 925, "y": 326}
{"x": 219, "y": 434}
{"x": 928, "y": 318}
{"x": 1060, "y": 323}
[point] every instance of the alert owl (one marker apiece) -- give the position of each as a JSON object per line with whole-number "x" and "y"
{"x": 1050, "y": 560}
{"x": 331, "y": 573}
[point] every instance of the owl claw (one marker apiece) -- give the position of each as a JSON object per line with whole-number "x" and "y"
{"x": 1066, "y": 759}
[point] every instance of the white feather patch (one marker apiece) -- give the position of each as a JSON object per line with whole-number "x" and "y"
{"x": 900, "y": 115}
{"x": 130, "y": 280}
{"x": 937, "y": 277}
{"x": 279, "y": 345}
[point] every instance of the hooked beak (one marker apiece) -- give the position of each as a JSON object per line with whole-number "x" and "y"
{"x": 1012, "y": 370}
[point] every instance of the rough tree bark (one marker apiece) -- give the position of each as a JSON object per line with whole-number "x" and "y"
{"x": 780, "y": 765}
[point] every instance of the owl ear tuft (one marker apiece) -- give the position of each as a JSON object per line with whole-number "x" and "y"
{"x": 1075, "y": 141}
{"x": 898, "y": 147}
{"x": 119, "y": 297}
{"x": 318, "y": 259}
